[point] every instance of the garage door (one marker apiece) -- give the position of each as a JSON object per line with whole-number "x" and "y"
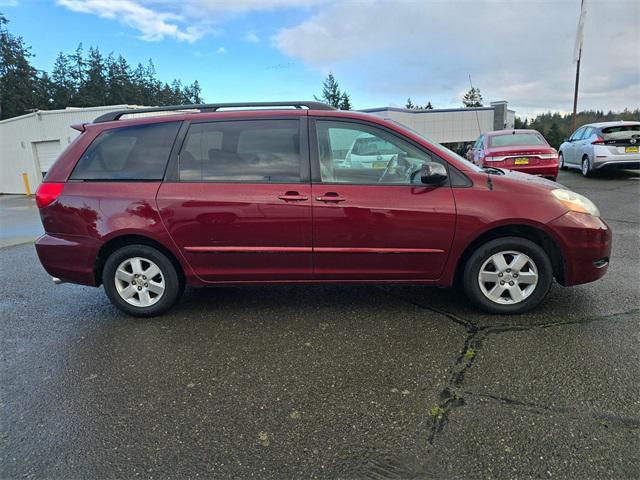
{"x": 46, "y": 154}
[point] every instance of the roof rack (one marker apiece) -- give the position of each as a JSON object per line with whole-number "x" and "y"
{"x": 211, "y": 107}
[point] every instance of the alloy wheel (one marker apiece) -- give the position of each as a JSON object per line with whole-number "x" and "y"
{"x": 139, "y": 282}
{"x": 508, "y": 277}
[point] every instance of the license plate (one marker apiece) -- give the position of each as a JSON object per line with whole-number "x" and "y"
{"x": 379, "y": 164}
{"x": 631, "y": 150}
{"x": 521, "y": 161}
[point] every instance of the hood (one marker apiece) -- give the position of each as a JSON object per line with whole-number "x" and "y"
{"x": 532, "y": 180}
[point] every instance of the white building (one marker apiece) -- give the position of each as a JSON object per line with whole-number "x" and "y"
{"x": 29, "y": 144}
{"x": 454, "y": 125}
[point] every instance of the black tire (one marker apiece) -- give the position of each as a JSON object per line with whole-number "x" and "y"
{"x": 561, "y": 162}
{"x": 173, "y": 286}
{"x": 484, "y": 252}
{"x": 585, "y": 167}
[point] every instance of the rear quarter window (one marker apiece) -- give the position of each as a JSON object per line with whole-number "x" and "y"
{"x": 134, "y": 153}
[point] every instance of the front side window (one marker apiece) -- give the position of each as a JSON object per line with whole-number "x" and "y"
{"x": 132, "y": 153}
{"x": 360, "y": 154}
{"x": 577, "y": 135}
{"x": 242, "y": 151}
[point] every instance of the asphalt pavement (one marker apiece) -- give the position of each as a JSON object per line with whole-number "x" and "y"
{"x": 325, "y": 381}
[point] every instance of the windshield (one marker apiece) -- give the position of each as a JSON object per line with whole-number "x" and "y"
{"x": 516, "y": 139}
{"x": 437, "y": 146}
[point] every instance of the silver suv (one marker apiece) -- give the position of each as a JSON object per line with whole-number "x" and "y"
{"x": 602, "y": 145}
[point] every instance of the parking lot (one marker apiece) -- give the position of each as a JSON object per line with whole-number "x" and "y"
{"x": 323, "y": 381}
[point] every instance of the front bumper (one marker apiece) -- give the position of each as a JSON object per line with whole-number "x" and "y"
{"x": 586, "y": 246}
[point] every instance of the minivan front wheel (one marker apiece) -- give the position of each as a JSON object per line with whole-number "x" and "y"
{"x": 141, "y": 281}
{"x": 508, "y": 275}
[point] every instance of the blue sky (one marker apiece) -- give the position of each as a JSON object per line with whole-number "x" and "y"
{"x": 381, "y": 51}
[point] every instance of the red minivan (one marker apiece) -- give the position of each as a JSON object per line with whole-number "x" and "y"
{"x": 261, "y": 193}
{"x": 524, "y": 151}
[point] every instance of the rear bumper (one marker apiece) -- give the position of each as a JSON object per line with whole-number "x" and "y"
{"x": 586, "y": 246}
{"x": 68, "y": 257}
{"x": 612, "y": 163}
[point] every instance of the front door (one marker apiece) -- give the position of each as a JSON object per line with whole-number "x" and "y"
{"x": 569, "y": 152}
{"x": 240, "y": 207}
{"x": 375, "y": 220}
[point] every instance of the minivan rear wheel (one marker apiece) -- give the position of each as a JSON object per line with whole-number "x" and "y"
{"x": 508, "y": 275}
{"x": 141, "y": 281}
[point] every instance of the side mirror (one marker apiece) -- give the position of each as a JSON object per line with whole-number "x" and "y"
{"x": 433, "y": 173}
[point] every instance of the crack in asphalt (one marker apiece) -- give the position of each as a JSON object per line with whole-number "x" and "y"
{"x": 452, "y": 397}
{"x": 604, "y": 419}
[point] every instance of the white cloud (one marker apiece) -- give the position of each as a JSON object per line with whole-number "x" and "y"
{"x": 152, "y": 25}
{"x": 518, "y": 51}
{"x": 221, "y": 50}
{"x": 251, "y": 37}
{"x": 187, "y": 20}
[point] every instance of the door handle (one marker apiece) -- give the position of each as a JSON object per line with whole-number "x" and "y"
{"x": 330, "y": 197}
{"x": 293, "y": 197}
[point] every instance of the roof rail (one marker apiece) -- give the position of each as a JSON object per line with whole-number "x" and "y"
{"x": 211, "y": 107}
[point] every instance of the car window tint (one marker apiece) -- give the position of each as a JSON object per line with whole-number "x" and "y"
{"x": 242, "y": 151}
{"x": 386, "y": 160}
{"x": 139, "y": 152}
{"x": 516, "y": 139}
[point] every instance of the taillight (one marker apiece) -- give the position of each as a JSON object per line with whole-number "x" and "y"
{"x": 598, "y": 141}
{"x": 48, "y": 193}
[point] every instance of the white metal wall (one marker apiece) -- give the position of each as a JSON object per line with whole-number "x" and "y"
{"x": 446, "y": 126}
{"x": 19, "y": 138}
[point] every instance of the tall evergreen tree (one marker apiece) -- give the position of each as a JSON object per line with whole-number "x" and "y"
{"x": 345, "y": 101}
{"x": 21, "y": 87}
{"x": 410, "y": 104}
{"x": 77, "y": 65}
{"x": 62, "y": 82}
{"x": 331, "y": 94}
{"x": 428, "y": 106}
{"x": 473, "y": 98}
{"x": 93, "y": 91}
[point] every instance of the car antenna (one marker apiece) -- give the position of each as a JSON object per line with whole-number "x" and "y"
{"x": 477, "y": 118}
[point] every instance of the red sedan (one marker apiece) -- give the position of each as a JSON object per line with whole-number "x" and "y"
{"x": 525, "y": 151}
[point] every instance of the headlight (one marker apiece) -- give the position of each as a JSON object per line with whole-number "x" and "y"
{"x": 576, "y": 202}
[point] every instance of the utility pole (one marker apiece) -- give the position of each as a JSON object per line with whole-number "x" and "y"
{"x": 577, "y": 56}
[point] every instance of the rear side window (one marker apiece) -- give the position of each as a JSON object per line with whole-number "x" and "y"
{"x": 129, "y": 153}
{"x": 242, "y": 151}
{"x": 509, "y": 140}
